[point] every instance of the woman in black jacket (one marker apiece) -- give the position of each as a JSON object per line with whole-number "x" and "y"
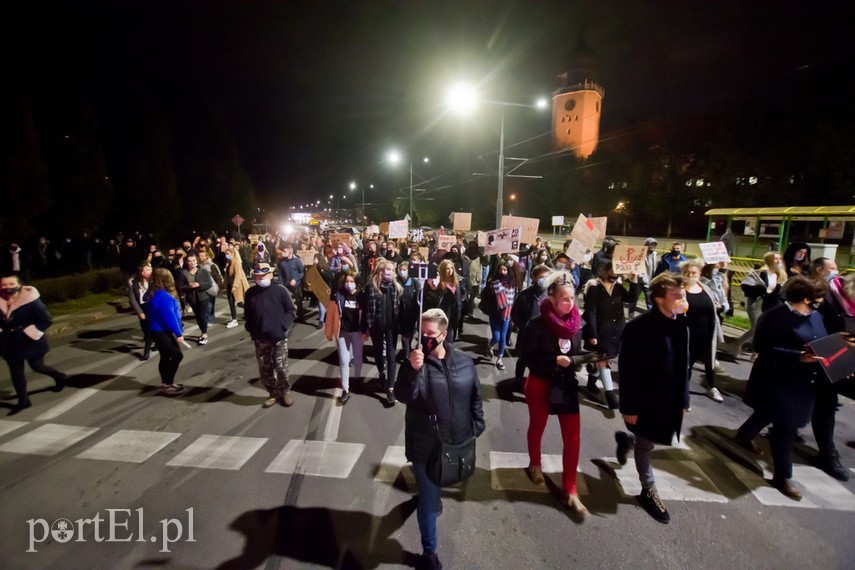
{"x": 549, "y": 343}
{"x": 436, "y": 379}
{"x": 137, "y": 297}
{"x": 408, "y": 311}
{"x": 23, "y": 322}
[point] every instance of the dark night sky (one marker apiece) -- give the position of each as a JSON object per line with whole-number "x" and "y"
{"x": 315, "y": 92}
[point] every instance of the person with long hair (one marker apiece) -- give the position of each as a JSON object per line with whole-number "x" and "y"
{"x": 164, "y": 316}
{"x": 137, "y": 295}
{"x": 762, "y": 292}
{"x": 549, "y": 342}
{"x": 704, "y": 326}
{"x": 346, "y": 325}
{"x": 504, "y": 290}
{"x": 408, "y": 311}
{"x": 451, "y": 302}
{"x": 236, "y": 283}
{"x": 381, "y": 311}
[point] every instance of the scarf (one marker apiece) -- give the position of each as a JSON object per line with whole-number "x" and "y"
{"x": 562, "y": 327}
{"x": 836, "y": 287}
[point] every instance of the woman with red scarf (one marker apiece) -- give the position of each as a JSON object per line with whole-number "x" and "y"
{"x": 550, "y": 341}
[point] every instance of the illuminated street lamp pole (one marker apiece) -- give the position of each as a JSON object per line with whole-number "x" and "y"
{"x": 395, "y": 158}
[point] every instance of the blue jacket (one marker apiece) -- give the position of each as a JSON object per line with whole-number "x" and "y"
{"x": 668, "y": 264}
{"x": 164, "y": 314}
{"x": 291, "y": 269}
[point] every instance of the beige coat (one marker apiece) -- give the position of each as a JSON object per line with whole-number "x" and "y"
{"x": 236, "y": 277}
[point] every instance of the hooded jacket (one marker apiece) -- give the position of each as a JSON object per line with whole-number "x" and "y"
{"x": 23, "y": 323}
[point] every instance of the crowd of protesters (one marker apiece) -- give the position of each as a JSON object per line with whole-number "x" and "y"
{"x": 556, "y": 315}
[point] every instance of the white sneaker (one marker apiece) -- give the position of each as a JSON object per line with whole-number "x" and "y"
{"x": 231, "y": 324}
{"x": 714, "y": 394}
{"x": 203, "y": 340}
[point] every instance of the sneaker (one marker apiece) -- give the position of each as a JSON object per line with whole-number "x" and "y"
{"x": 232, "y": 324}
{"x": 203, "y": 340}
{"x": 287, "y": 399}
{"x": 625, "y": 442}
{"x": 831, "y": 464}
{"x": 500, "y": 365}
{"x": 715, "y": 395}
{"x": 390, "y": 398}
{"x": 572, "y": 502}
{"x": 172, "y": 389}
{"x": 269, "y": 402}
{"x": 650, "y": 502}
{"x": 535, "y": 474}
{"x": 345, "y": 396}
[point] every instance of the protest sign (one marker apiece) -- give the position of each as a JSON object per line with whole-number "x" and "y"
{"x": 398, "y": 229}
{"x": 628, "y": 259}
{"x": 714, "y": 251}
{"x": 336, "y": 239}
{"x": 481, "y": 237}
{"x": 585, "y": 231}
{"x": 600, "y": 224}
{"x": 445, "y": 242}
{"x": 505, "y": 240}
{"x": 373, "y": 229}
{"x": 424, "y": 252}
{"x": 557, "y": 220}
{"x": 576, "y": 251}
{"x": 384, "y": 228}
{"x": 317, "y": 285}
{"x": 307, "y": 256}
{"x": 528, "y": 227}
{"x": 461, "y": 221}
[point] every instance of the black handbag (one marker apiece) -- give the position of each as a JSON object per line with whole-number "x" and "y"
{"x": 449, "y": 463}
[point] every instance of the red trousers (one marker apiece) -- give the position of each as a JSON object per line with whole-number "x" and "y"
{"x": 537, "y": 398}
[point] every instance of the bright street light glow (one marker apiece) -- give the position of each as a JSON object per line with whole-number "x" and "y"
{"x": 394, "y": 156}
{"x": 427, "y": 160}
{"x": 541, "y": 103}
{"x": 461, "y": 98}
{"x": 353, "y": 185}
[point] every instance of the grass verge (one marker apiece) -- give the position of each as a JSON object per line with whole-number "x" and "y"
{"x": 86, "y": 302}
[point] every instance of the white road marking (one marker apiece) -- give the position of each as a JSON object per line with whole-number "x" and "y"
{"x": 678, "y": 480}
{"x": 394, "y": 462}
{"x": 320, "y": 458}
{"x": 67, "y": 404}
{"x": 132, "y": 446}
{"x": 7, "y": 426}
{"x": 819, "y": 491}
{"x": 333, "y": 419}
{"x": 48, "y": 439}
{"x": 507, "y": 472}
{"x": 218, "y": 452}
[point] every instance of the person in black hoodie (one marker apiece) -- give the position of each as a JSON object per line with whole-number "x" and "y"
{"x": 269, "y": 313}
{"x": 381, "y": 312}
{"x": 408, "y": 311}
{"x": 437, "y": 379}
{"x": 526, "y": 307}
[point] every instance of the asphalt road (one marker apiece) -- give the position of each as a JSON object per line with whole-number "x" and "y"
{"x": 209, "y": 479}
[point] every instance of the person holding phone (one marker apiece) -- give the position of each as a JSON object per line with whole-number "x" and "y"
{"x": 783, "y": 382}
{"x": 549, "y": 342}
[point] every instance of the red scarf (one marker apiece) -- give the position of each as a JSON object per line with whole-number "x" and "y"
{"x": 562, "y": 327}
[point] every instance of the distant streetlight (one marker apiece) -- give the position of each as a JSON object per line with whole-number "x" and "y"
{"x": 394, "y": 158}
{"x": 462, "y": 99}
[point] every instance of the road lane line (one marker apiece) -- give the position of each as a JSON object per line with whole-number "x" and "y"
{"x": 333, "y": 419}
{"x": 67, "y": 404}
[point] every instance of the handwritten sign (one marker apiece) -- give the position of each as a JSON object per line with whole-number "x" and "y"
{"x": 337, "y": 239}
{"x": 417, "y": 235}
{"x": 317, "y": 285}
{"x": 585, "y": 231}
{"x": 424, "y": 252}
{"x": 528, "y": 227}
{"x": 576, "y": 251}
{"x": 307, "y": 256}
{"x": 461, "y": 221}
{"x": 481, "y": 238}
{"x": 373, "y": 229}
{"x": 398, "y": 229}
{"x": 628, "y": 259}
{"x": 445, "y": 242}
{"x": 600, "y": 224}
{"x": 714, "y": 252}
{"x": 505, "y": 240}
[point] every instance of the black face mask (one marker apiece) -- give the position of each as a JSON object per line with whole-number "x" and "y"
{"x": 9, "y": 292}
{"x": 675, "y": 253}
{"x": 429, "y": 344}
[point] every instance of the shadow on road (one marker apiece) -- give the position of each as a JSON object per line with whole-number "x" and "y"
{"x": 327, "y": 537}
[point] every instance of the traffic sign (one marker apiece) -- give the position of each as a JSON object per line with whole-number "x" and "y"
{"x": 238, "y": 220}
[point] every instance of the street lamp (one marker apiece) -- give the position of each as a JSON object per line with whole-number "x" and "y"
{"x": 395, "y": 158}
{"x": 462, "y": 99}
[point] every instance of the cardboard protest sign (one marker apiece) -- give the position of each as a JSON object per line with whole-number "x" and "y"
{"x": 576, "y": 251}
{"x": 505, "y": 240}
{"x": 373, "y": 229}
{"x": 336, "y": 239}
{"x": 557, "y": 220}
{"x": 714, "y": 251}
{"x": 317, "y": 285}
{"x": 461, "y": 221}
{"x": 417, "y": 235}
{"x": 445, "y": 242}
{"x": 307, "y": 256}
{"x": 481, "y": 238}
{"x": 424, "y": 252}
{"x": 398, "y": 229}
{"x": 628, "y": 259}
{"x": 600, "y": 224}
{"x": 585, "y": 231}
{"x": 528, "y": 227}
{"x": 384, "y": 228}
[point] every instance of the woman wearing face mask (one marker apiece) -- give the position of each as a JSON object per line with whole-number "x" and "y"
{"x": 442, "y": 380}
{"x": 236, "y": 283}
{"x": 136, "y": 295}
{"x": 505, "y": 291}
{"x": 346, "y": 325}
{"x": 782, "y": 384}
{"x": 704, "y": 326}
{"x": 23, "y": 322}
{"x": 797, "y": 258}
{"x": 604, "y": 322}
{"x": 526, "y": 307}
{"x": 563, "y": 263}
{"x": 408, "y": 312}
{"x": 450, "y": 302}
{"x": 381, "y": 311}
{"x": 551, "y": 339}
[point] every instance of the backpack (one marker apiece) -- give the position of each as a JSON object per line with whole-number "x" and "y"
{"x": 488, "y": 304}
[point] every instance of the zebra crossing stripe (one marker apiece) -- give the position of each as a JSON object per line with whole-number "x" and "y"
{"x": 8, "y": 426}
{"x": 48, "y": 439}
{"x": 320, "y": 458}
{"x": 132, "y": 446}
{"x": 218, "y": 452}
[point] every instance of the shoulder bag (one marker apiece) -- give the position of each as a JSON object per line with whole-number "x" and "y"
{"x": 448, "y": 463}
